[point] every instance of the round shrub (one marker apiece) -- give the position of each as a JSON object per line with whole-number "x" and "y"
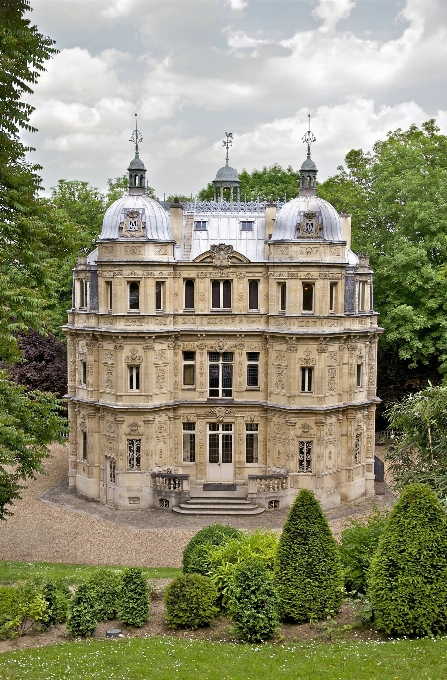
{"x": 190, "y": 602}
{"x": 254, "y": 605}
{"x": 82, "y": 620}
{"x": 308, "y": 572}
{"x": 21, "y": 607}
{"x": 105, "y": 584}
{"x": 408, "y": 575}
{"x": 133, "y": 607}
{"x": 216, "y": 534}
{"x": 359, "y": 541}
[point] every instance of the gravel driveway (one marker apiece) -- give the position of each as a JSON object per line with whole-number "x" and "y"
{"x": 50, "y": 525}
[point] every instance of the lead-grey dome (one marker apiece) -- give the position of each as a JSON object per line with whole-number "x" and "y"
{"x": 308, "y": 164}
{"x": 227, "y": 173}
{"x": 151, "y": 213}
{"x": 136, "y": 164}
{"x": 292, "y": 214}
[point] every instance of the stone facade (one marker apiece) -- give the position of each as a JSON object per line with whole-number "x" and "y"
{"x": 203, "y": 349}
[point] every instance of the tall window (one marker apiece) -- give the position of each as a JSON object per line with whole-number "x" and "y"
{"x": 246, "y": 226}
{"x": 134, "y": 378}
{"x": 304, "y": 456}
{"x": 308, "y": 297}
{"x": 252, "y": 369}
{"x": 159, "y": 295}
{"x": 200, "y": 225}
{"x": 189, "y": 369}
{"x": 359, "y": 375}
{"x": 306, "y": 379}
{"x": 134, "y": 295}
{"x": 357, "y": 447}
{"x": 332, "y": 296}
{"x": 220, "y": 374}
{"x": 83, "y": 373}
{"x": 189, "y": 294}
{"x": 220, "y": 442}
{"x": 253, "y": 295}
{"x": 362, "y": 296}
{"x": 134, "y": 454}
{"x": 109, "y": 299}
{"x": 112, "y": 471}
{"x": 221, "y": 294}
{"x": 83, "y": 293}
{"x": 282, "y": 297}
{"x": 189, "y": 442}
{"x": 251, "y": 442}
{"x": 84, "y": 447}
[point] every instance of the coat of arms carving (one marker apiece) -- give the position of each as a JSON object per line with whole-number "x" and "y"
{"x": 132, "y": 225}
{"x": 221, "y": 255}
{"x": 309, "y": 227}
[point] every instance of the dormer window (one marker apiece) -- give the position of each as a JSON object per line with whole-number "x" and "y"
{"x": 200, "y": 225}
{"x": 247, "y": 226}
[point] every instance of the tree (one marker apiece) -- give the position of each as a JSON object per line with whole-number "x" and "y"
{"x": 82, "y": 614}
{"x": 254, "y": 602}
{"x": 308, "y": 572}
{"x": 133, "y": 606}
{"x": 397, "y": 195}
{"x": 408, "y": 574}
{"x": 34, "y": 237}
{"x": 272, "y": 182}
{"x": 419, "y": 453}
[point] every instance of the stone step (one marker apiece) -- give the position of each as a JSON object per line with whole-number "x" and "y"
{"x": 218, "y": 506}
{"x": 219, "y": 499}
{"x": 185, "y": 510}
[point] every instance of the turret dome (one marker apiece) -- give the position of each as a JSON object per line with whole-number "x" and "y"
{"x": 149, "y": 220}
{"x": 294, "y": 213}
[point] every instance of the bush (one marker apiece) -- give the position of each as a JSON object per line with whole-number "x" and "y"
{"x": 133, "y": 607}
{"x": 308, "y": 572}
{"x": 254, "y": 604}
{"x": 82, "y": 612}
{"x": 190, "y": 602}
{"x": 408, "y": 575}
{"x": 20, "y": 608}
{"x": 359, "y": 542}
{"x": 105, "y": 584}
{"x": 57, "y": 597}
{"x": 224, "y": 560}
{"x": 216, "y": 534}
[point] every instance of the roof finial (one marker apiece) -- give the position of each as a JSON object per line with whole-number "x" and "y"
{"x": 136, "y": 137}
{"x": 309, "y": 138}
{"x": 227, "y": 143}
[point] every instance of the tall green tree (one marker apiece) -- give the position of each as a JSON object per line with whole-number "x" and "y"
{"x": 34, "y": 236}
{"x": 270, "y": 182}
{"x": 397, "y": 196}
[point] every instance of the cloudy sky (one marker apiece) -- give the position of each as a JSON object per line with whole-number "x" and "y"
{"x": 194, "y": 69}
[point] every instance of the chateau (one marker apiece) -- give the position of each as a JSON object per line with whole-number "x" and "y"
{"x": 222, "y": 350}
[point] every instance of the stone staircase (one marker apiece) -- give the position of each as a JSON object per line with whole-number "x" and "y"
{"x": 218, "y": 505}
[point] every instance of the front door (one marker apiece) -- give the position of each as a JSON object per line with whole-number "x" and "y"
{"x": 220, "y": 466}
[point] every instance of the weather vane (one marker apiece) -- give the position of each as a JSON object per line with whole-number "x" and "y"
{"x": 309, "y": 138}
{"x": 228, "y": 142}
{"x": 136, "y": 137}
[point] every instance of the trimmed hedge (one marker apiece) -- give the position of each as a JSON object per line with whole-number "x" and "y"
{"x": 190, "y": 602}
{"x": 215, "y": 534}
{"x": 133, "y": 607}
{"x": 408, "y": 574}
{"x": 254, "y": 602}
{"x": 308, "y": 572}
{"x": 57, "y": 596}
{"x": 82, "y": 613}
{"x": 359, "y": 541}
{"x": 105, "y": 584}
{"x": 20, "y": 608}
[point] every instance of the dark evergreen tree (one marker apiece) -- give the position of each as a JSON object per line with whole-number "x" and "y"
{"x": 82, "y": 613}
{"x": 308, "y": 572}
{"x": 254, "y": 601}
{"x": 133, "y": 607}
{"x": 408, "y": 573}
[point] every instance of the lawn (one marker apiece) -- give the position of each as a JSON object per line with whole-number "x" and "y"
{"x": 169, "y": 658}
{"x": 13, "y": 572}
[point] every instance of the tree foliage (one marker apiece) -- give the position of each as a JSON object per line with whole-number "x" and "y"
{"x": 190, "y": 602}
{"x": 308, "y": 572}
{"x": 82, "y": 613}
{"x": 359, "y": 542}
{"x": 270, "y": 182}
{"x": 408, "y": 574}
{"x": 419, "y": 452}
{"x": 254, "y": 605}
{"x": 133, "y": 609}
{"x": 215, "y": 534}
{"x": 397, "y": 196}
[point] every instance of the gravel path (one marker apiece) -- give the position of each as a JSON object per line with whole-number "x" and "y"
{"x": 50, "y": 525}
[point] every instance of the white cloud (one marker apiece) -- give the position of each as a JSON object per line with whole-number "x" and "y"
{"x": 117, "y": 9}
{"x": 332, "y": 11}
{"x": 237, "y": 4}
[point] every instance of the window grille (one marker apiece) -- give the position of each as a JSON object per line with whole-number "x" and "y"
{"x": 304, "y": 456}
{"x": 134, "y": 454}
{"x": 220, "y": 382}
{"x": 84, "y": 447}
{"x": 220, "y": 442}
{"x": 252, "y": 369}
{"x": 357, "y": 447}
{"x": 112, "y": 471}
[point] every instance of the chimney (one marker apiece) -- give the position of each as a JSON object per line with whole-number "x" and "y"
{"x": 345, "y": 222}
{"x": 176, "y": 214}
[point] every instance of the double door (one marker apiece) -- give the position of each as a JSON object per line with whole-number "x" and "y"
{"x": 220, "y": 456}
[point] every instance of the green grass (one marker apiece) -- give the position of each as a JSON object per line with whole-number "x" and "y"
{"x": 13, "y": 572}
{"x": 170, "y": 658}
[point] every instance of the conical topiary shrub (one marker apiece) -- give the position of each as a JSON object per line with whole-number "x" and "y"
{"x": 308, "y": 572}
{"x": 408, "y": 574}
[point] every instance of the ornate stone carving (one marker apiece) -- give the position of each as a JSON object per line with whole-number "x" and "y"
{"x": 133, "y": 428}
{"x": 133, "y": 357}
{"x": 220, "y": 412}
{"x": 309, "y": 227}
{"x": 132, "y": 227}
{"x": 322, "y": 345}
{"x": 280, "y": 379}
{"x": 332, "y": 379}
{"x": 160, "y": 376}
{"x": 308, "y": 359}
{"x": 221, "y": 255}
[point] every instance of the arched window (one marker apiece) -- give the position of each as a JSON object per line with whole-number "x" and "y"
{"x": 221, "y": 294}
{"x": 253, "y": 295}
{"x": 189, "y": 294}
{"x": 134, "y": 295}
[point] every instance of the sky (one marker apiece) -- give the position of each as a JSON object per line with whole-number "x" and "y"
{"x": 195, "y": 69}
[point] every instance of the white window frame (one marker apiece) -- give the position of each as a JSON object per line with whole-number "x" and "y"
{"x": 242, "y": 224}
{"x": 306, "y": 379}
{"x": 188, "y": 442}
{"x": 220, "y": 362}
{"x": 201, "y": 222}
{"x": 133, "y": 378}
{"x": 361, "y": 296}
{"x": 160, "y": 309}
{"x": 188, "y": 362}
{"x": 83, "y": 293}
{"x": 221, "y": 295}
{"x": 109, "y": 295}
{"x": 333, "y": 290}
{"x": 252, "y": 362}
{"x": 83, "y": 371}
{"x": 359, "y": 376}
{"x": 252, "y": 431}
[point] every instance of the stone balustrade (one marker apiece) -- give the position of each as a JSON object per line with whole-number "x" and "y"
{"x": 267, "y": 483}
{"x": 167, "y": 481}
